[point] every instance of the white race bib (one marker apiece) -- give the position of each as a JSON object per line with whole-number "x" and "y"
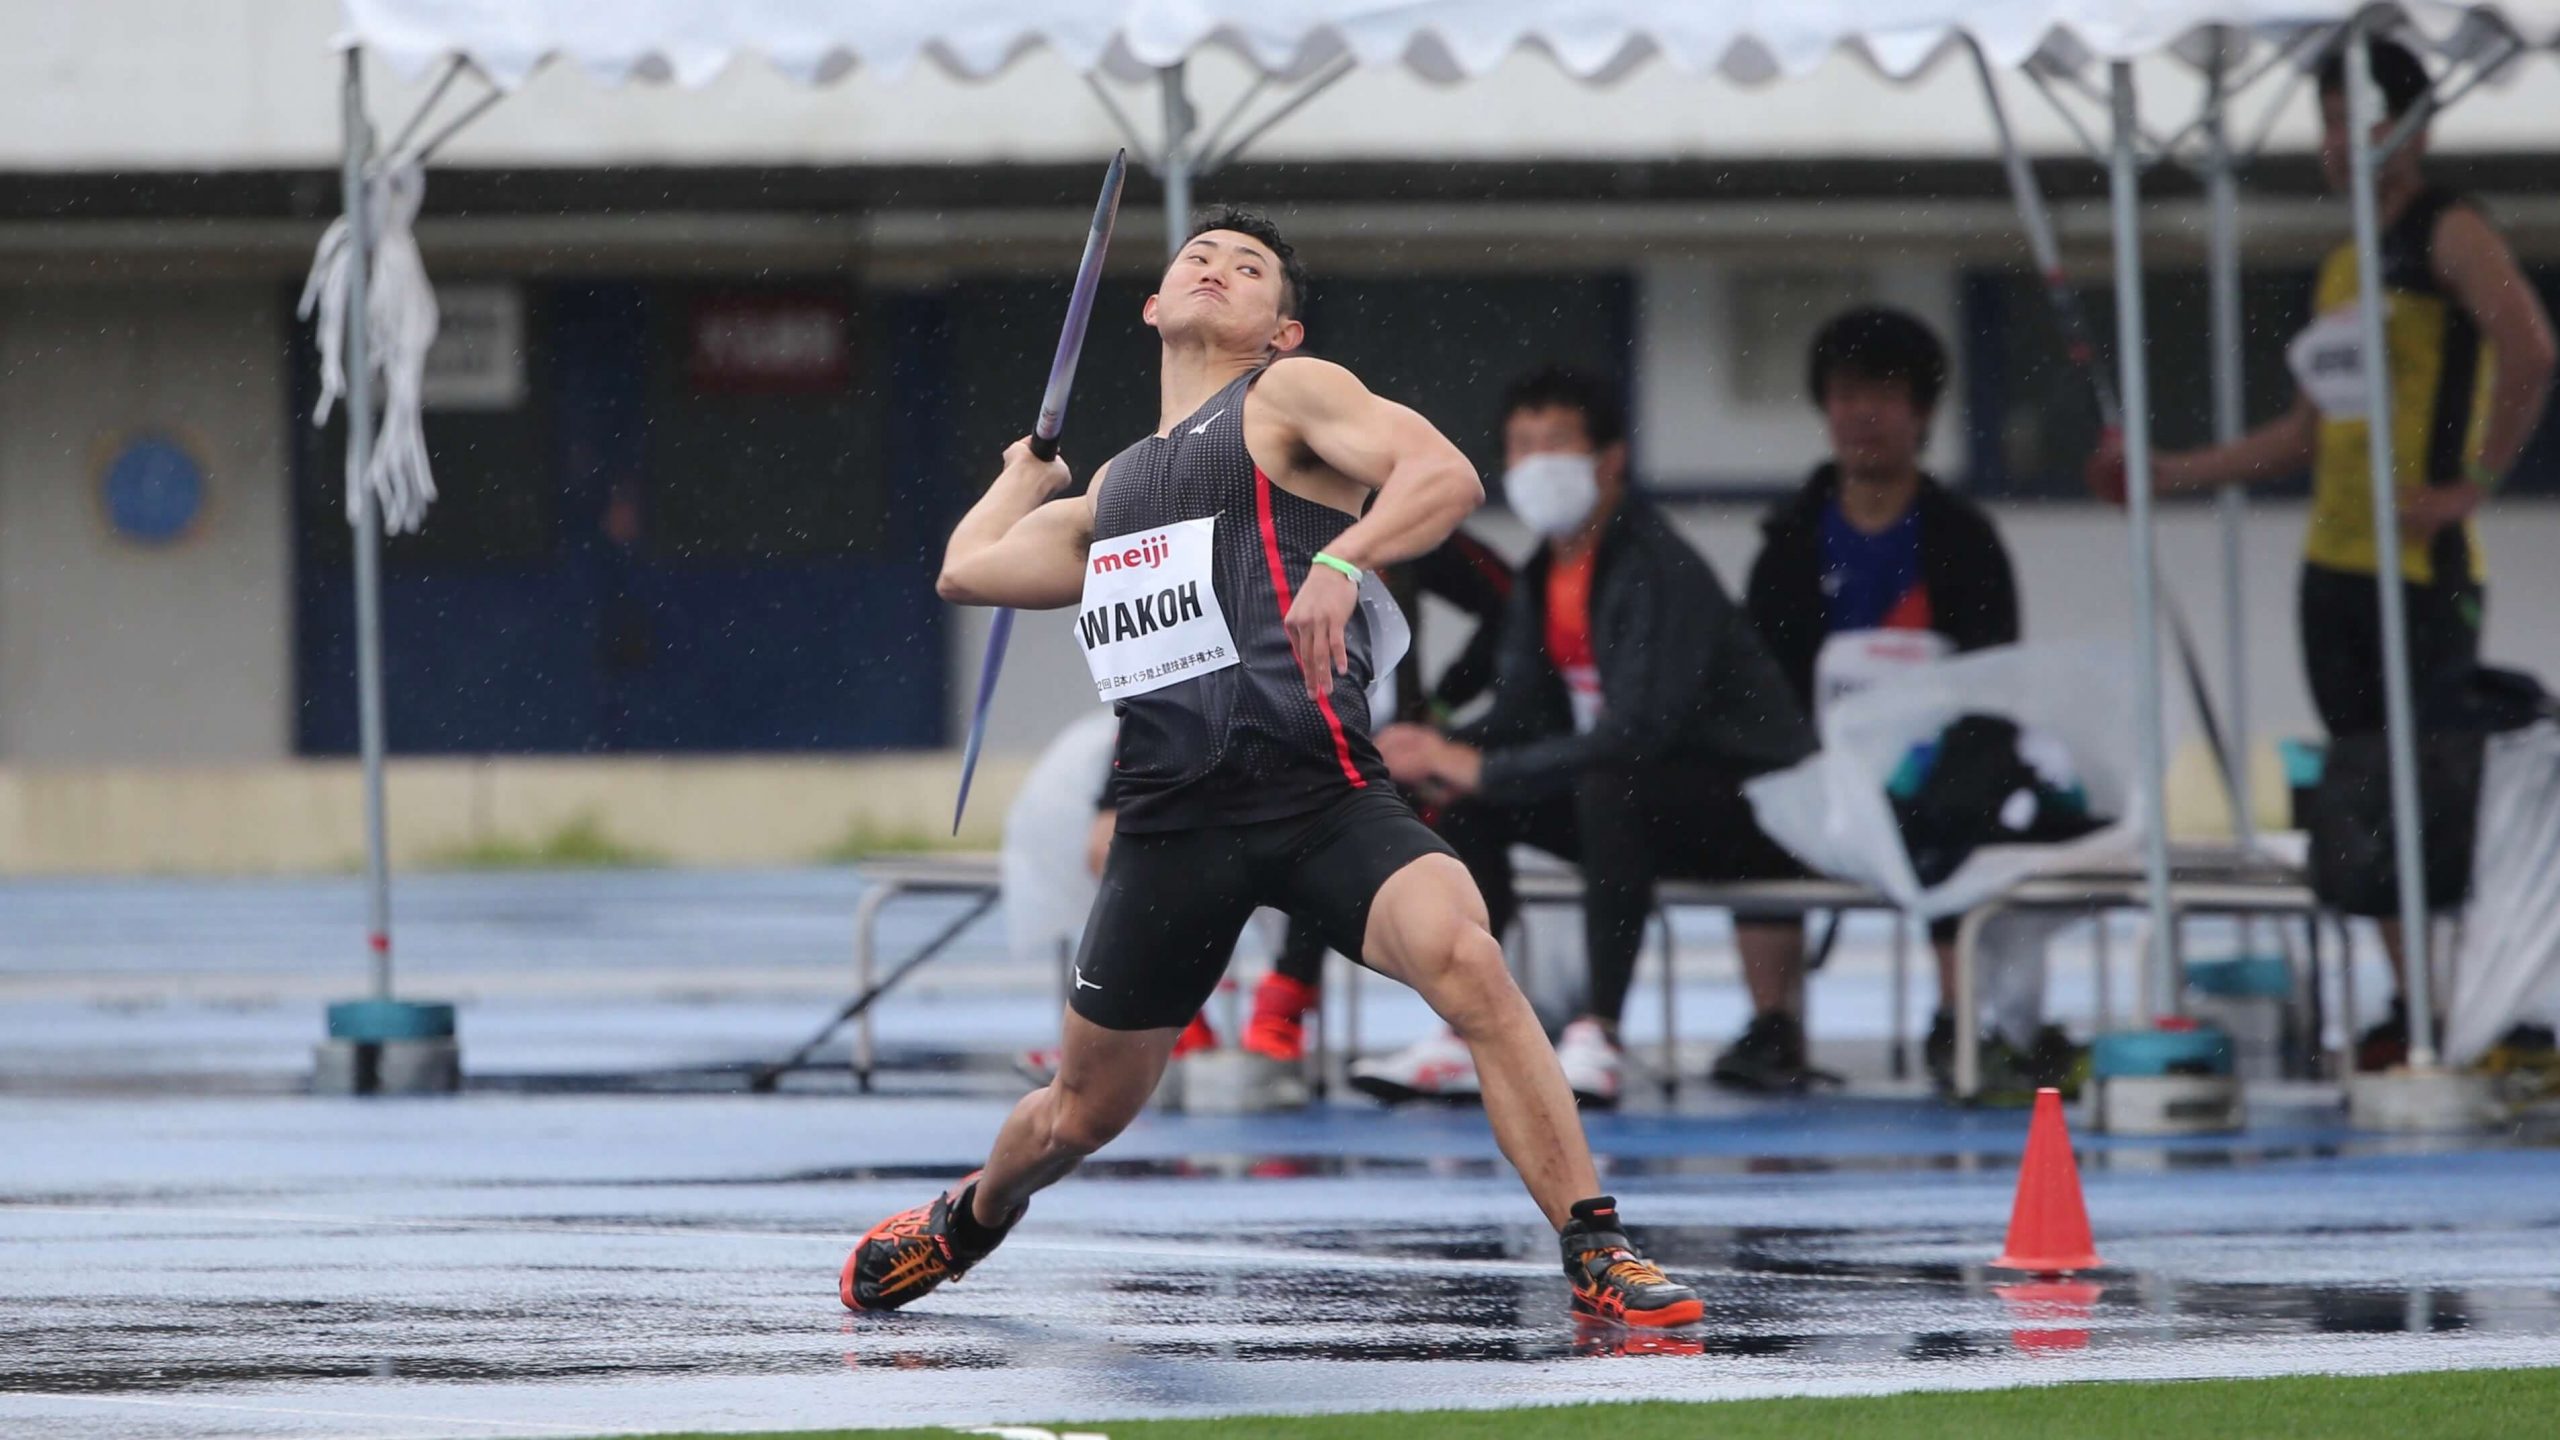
{"x": 1853, "y": 660}
{"x": 2327, "y": 360}
{"x": 1150, "y": 615}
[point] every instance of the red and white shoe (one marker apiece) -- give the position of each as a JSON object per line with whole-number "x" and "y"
{"x": 1038, "y": 1066}
{"x": 1593, "y": 1066}
{"x": 1195, "y": 1037}
{"x": 1278, "y": 1027}
{"x": 1438, "y": 1068}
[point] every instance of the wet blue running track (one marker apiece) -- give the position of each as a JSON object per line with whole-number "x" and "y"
{"x": 184, "y": 1253}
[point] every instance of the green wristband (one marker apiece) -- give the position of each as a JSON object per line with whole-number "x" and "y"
{"x": 1336, "y": 562}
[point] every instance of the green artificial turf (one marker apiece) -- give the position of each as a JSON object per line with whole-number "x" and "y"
{"x": 2493, "y": 1403}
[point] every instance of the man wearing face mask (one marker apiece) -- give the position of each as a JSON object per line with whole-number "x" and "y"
{"x": 1631, "y": 699}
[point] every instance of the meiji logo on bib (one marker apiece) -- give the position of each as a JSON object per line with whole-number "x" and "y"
{"x": 1135, "y": 557}
{"x": 1150, "y": 615}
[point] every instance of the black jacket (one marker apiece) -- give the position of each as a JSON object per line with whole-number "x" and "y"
{"x": 1973, "y": 598}
{"x": 1682, "y": 673}
{"x": 1471, "y": 575}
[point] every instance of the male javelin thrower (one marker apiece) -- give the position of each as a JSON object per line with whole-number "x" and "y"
{"x": 1215, "y": 566}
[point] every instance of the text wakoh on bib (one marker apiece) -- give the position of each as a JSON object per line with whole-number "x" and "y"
{"x": 1150, "y": 615}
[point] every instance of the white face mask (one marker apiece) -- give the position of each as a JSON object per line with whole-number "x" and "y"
{"x": 1552, "y": 493}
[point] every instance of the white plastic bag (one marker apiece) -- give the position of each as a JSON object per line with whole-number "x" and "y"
{"x": 2510, "y": 966}
{"x": 1041, "y": 866}
{"x": 1832, "y": 811}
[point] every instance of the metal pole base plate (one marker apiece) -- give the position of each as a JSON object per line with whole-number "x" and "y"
{"x": 2421, "y": 1101}
{"x": 1239, "y": 1082}
{"x": 386, "y": 1067}
{"x": 1169, "y": 1088}
{"x": 2166, "y": 1105}
{"x": 388, "y": 1047}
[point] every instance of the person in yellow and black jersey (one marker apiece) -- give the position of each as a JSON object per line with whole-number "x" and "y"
{"x": 2471, "y": 355}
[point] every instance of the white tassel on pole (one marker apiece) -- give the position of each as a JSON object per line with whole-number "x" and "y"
{"x": 400, "y": 328}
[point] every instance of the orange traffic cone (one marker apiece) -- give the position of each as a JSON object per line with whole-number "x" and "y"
{"x": 2048, "y": 1226}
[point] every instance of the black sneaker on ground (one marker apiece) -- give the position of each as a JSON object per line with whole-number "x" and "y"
{"x": 1938, "y": 1053}
{"x": 2008, "y": 1082}
{"x": 2386, "y": 1044}
{"x": 1768, "y": 1059}
{"x": 2055, "y": 1060}
{"x": 2525, "y": 1063}
{"x": 907, "y": 1255}
{"x": 1611, "y": 1281}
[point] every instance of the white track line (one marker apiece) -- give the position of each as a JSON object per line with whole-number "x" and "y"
{"x": 405, "y": 1419}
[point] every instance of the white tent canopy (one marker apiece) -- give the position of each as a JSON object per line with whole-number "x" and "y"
{"x": 690, "y": 43}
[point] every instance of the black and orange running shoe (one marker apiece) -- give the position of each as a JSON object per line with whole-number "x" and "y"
{"x": 1611, "y": 1281}
{"x": 907, "y": 1255}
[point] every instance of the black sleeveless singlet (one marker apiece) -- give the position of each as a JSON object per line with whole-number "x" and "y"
{"x": 1243, "y": 744}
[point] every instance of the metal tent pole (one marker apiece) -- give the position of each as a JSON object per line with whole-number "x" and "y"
{"x": 361, "y": 514}
{"x": 2222, "y": 188}
{"x": 2134, "y": 380}
{"x": 2364, "y": 112}
{"x": 1174, "y": 168}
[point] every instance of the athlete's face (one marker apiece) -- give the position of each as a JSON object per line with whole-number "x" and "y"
{"x": 2403, "y": 163}
{"x": 1877, "y": 430}
{"x": 1227, "y": 288}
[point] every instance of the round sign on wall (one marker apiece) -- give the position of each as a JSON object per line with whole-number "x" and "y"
{"x": 153, "y": 490}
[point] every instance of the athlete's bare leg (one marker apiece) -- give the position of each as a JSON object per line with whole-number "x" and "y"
{"x": 1427, "y": 928}
{"x": 1104, "y": 1079}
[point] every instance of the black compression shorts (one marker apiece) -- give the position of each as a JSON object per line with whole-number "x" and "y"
{"x": 1174, "y": 901}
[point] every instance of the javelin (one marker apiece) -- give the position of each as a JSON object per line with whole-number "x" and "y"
{"x": 2081, "y": 348}
{"x": 1044, "y": 444}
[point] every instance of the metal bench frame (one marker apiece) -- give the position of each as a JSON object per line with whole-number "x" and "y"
{"x": 2204, "y": 880}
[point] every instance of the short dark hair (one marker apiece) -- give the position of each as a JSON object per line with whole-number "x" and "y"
{"x": 1245, "y": 220}
{"x": 1876, "y": 343}
{"x": 1604, "y": 416}
{"x": 2396, "y": 69}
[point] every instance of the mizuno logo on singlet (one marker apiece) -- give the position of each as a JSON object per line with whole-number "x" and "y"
{"x": 1145, "y": 615}
{"x": 1136, "y": 557}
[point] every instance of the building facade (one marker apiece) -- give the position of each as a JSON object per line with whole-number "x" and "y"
{"x": 720, "y": 366}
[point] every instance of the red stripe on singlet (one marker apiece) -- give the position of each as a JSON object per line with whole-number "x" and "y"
{"x": 1280, "y": 590}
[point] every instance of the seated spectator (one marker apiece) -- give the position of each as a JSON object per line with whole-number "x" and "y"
{"x": 1873, "y": 564}
{"x": 1631, "y": 699}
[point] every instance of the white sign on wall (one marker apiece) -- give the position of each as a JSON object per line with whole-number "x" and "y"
{"x": 477, "y": 362}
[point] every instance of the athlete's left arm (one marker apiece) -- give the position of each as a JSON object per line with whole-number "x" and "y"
{"x": 2473, "y": 261}
{"x": 1425, "y": 487}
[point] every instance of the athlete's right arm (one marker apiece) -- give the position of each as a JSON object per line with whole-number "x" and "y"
{"x": 1018, "y": 547}
{"x": 2283, "y": 446}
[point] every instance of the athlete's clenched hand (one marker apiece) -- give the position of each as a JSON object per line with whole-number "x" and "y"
{"x": 1052, "y": 475}
{"x": 1316, "y": 621}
